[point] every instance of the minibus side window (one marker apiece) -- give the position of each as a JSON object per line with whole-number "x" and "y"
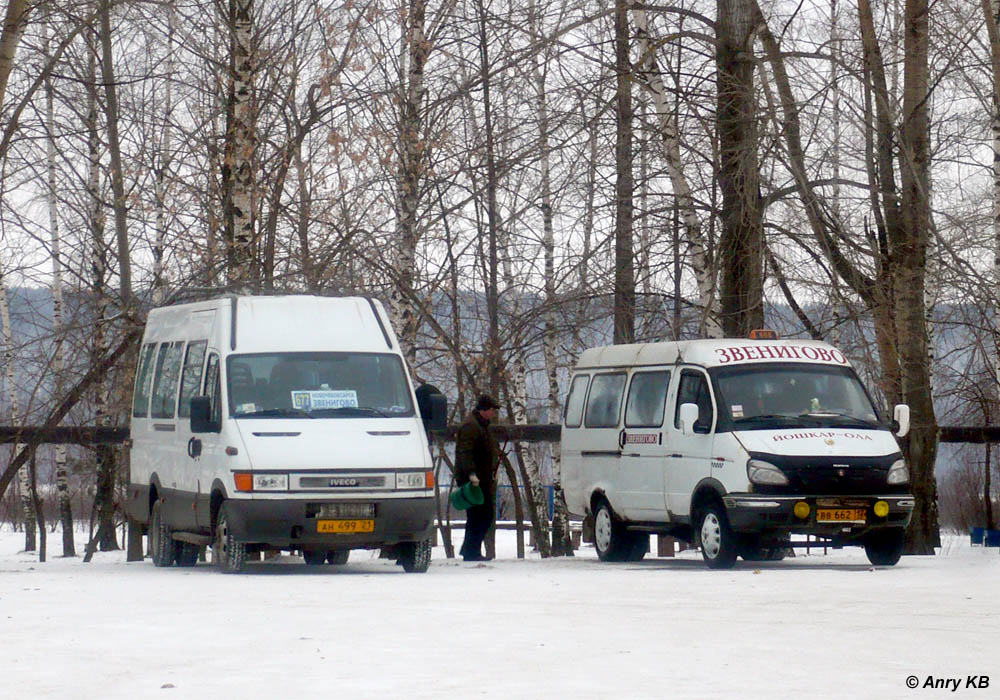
{"x": 194, "y": 360}
{"x": 694, "y": 389}
{"x": 573, "y": 410}
{"x": 168, "y": 365}
{"x": 647, "y": 396}
{"x": 604, "y": 402}
{"x": 140, "y": 400}
{"x": 212, "y": 387}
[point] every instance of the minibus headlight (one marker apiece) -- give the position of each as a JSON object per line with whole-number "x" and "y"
{"x": 760, "y": 472}
{"x": 270, "y": 482}
{"x": 898, "y": 473}
{"x": 415, "y": 480}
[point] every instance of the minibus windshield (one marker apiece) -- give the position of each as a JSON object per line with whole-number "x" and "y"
{"x": 317, "y": 385}
{"x": 768, "y": 396}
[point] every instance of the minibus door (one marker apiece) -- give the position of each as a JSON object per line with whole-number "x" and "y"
{"x": 690, "y": 455}
{"x": 644, "y": 447}
{"x": 600, "y": 447}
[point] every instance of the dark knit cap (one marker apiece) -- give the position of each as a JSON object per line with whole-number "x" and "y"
{"x": 486, "y": 402}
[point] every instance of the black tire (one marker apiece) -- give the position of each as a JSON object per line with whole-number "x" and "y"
{"x": 638, "y": 546}
{"x": 228, "y": 555}
{"x": 186, "y": 553}
{"x": 338, "y": 557}
{"x": 611, "y": 539}
{"x": 885, "y": 547}
{"x": 314, "y": 557}
{"x": 161, "y": 546}
{"x": 751, "y": 549}
{"x": 414, "y": 557}
{"x": 718, "y": 544}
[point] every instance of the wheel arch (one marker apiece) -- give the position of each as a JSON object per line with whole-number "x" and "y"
{"x": 707, "y": 490}
{"x": 218, "y": 495}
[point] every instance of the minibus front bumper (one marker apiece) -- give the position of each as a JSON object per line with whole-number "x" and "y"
{"x": 827, "y": 516}
{"x": 303, "y": 522}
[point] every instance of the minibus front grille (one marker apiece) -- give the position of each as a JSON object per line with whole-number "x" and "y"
{"x": 342, "y": 483}
{"x": 834, "y": 475}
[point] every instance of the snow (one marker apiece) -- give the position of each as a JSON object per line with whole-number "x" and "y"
{"x": 812, "y": 627}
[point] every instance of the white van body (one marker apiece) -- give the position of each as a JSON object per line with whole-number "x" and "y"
{"x": 662, "y": 437}
{"x": 313, "y": 440}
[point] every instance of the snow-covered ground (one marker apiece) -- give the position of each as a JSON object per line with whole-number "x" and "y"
{"x": 810, "y": 627}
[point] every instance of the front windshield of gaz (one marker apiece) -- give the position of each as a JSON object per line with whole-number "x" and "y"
{"x": 770, "y": 396}
{"x": 317, "y": 385}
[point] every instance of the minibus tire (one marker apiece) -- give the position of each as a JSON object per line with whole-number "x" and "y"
{"x": 228, "y": 555}
{"x": 718, "y": 543}
{"x": 885, "y": 547}
{"x": 186, "y": 553}
{"x": 414, "y": 557}
{"x": 161, "y": 546}
{"x": 619, "y": 545}
{"x": 314, "y": 557}
{"x": 337, "y": 557}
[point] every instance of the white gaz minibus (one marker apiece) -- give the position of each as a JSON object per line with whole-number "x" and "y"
{"x": 279, "y": 423}
{"x": 733, "y": 445}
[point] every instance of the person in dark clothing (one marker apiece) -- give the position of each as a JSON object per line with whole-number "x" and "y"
{"x": 475, "y": 461}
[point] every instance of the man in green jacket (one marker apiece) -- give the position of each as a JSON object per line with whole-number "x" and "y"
{"x": 475, "y": 461}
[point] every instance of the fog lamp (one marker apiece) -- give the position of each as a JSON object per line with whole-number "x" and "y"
{"x": 801, "y": 510}
{"x": 881, "y": 509}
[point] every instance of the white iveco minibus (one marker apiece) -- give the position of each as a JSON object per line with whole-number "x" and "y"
{"x": 279, "y": 423}
{"x": 733, "y": 445}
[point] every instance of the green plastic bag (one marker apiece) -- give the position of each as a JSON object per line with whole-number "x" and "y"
{"x": 467, "y": 496}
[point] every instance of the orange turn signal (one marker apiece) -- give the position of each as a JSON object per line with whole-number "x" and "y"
{"x": 429, "y": 479}
{"x": 244, "y": 481}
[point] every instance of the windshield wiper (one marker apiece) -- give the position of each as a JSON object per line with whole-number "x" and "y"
{"x": 846, "y": 417}
{"x": 350, "y": 410}
{"x": 266, "y": 412}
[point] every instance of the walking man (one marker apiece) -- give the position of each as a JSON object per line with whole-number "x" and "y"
{"x": 476, "y": 461}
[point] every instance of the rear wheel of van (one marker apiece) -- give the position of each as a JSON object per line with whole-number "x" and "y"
{"x": 314, "y": 557}
{"x": 611, "y": 539}
{"x": 161, "y": 547}
{"x": 338, "y": 557}
{"x": 885, "y": 547}
{"x": 228, "y": 555}
{"x": 414, "y": 557}
{"x": 718, "y": 544}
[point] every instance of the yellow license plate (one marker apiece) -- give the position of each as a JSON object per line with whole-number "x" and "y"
{"x": 345, "y": 526}
{"x": 840, "y": 515}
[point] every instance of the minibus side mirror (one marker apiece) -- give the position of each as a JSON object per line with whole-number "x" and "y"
{"x": 901, "y": 419}
{"x": 688, "y": 417}
{"x": 433, "y": 407}
{"x": 201, "y": 415}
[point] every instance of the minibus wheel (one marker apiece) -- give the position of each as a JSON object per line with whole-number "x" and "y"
{"x": 314, "y": 557}
{"x": 338, "y": 557}
{"x": 161, "y": 547}
{"x": 186, "y": 553}
{"x": 610, "y": 537}
{"x": 414, "y": 557}
{"x": 718, "y": 544}
{"x": 228, "y": 555}
{"x": 885, "y": 547}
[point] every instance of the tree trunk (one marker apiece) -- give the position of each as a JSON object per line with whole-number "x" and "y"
{"x": 114, "y": 149}
{"x": 165, "y": 160}
{"x": 910, "y": 257}
{"x": 23, "y": 478}
{"x": 410, "y": 175}
{"x": 741, "y": 242}
{"x": 624, "y": 293}
{"x": 238, "y": 175}
{"x": 58, "y": 332}
{"x": 13, "y": 28}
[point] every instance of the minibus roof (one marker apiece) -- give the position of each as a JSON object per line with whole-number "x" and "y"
{"x": 292, "y": 323}
{"x": 711, "y": 353}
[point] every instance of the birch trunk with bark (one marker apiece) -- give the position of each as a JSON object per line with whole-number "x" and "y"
{"x": 624, "y": 291}
{"x": 23, "y": 478}
{"x": 58, "y": 331}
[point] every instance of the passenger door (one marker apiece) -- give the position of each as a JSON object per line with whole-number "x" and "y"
{"x": 644, "y": 450}
{"x": 690, "y": 456}
{"x": 191, "y": 378}
{"x": 600, "y": 449}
